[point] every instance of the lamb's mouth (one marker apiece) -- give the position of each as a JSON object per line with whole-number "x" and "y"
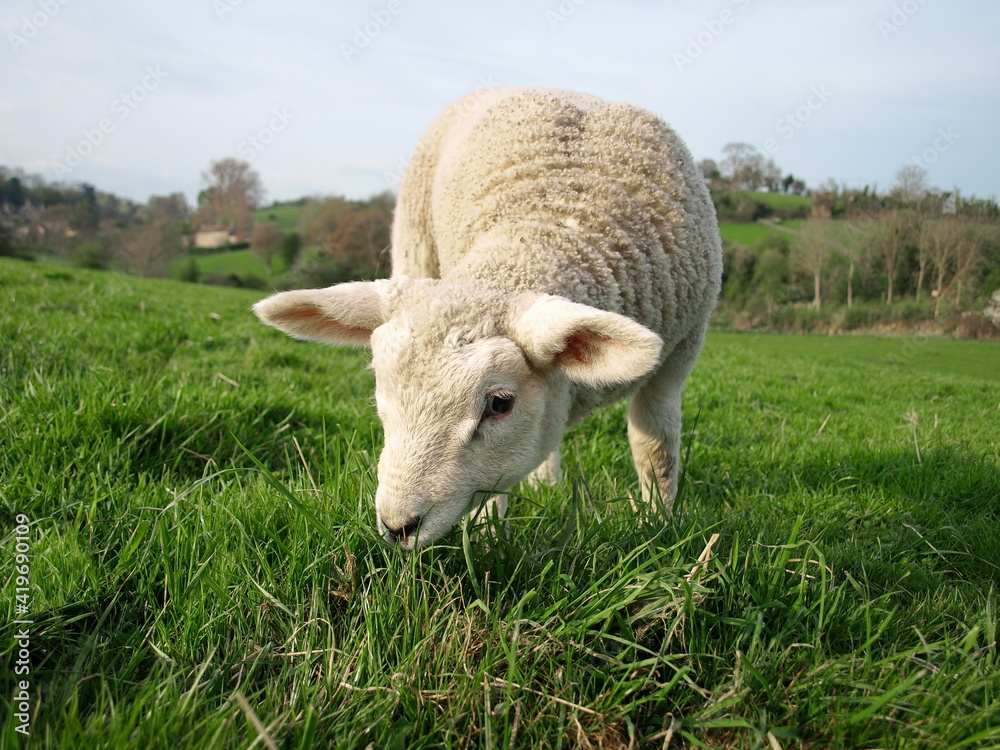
{"x": 404, "y": 535}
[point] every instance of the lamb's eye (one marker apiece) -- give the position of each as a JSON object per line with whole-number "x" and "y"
{"x": 498, "y": 405}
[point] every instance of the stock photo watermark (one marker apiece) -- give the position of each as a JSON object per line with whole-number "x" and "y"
{"x": 565, "y": 9}
{"x": 944, "y": 139}
{"x": 791, "y": 122}
{"x": 899, "y": 16}
{"x": 31, "y": 26}
{"x": 366, "y": 33}
{"x": 21, "y": 657}
{"x": 712, "y": 29}
{"x": 224, "y": 7}
{"x": 122, "y": 106}
{"x": 254, "y": 144}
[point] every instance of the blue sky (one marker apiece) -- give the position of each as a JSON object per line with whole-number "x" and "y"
{"x": 138, "y": 97}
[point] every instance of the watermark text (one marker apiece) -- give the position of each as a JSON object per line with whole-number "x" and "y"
{"x": 21, "y": 704}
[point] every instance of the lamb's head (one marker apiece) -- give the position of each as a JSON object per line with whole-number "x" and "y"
{"x": 472, "y": 386}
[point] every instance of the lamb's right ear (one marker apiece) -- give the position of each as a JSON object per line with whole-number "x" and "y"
{"x": 341, "y": 314}
{"x": 591, "y": 346}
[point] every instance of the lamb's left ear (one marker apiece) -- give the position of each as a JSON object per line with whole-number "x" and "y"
{"x": 591, "y": 346}
{"x": 341, "y": 314}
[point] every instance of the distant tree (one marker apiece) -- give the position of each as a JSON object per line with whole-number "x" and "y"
{"x": 167, "y": 208}
{"x": 746, "y": 168}
{"x": 355, "y": 234}
{"x": 826, "y": 197}
{"x": 710, "y": 171}
{"x": 361, "y": 242}
{"x": 85, "y": 213}
{"x": 14, "y": 193}
{"x": 321, "y": 218}
{"x": 233, "y": 193}
{"x": 770, "y": 175}
{"x": 812, "y": 249}
{"x": 973, "y": 239}
{"x": 147, "y": 250}
{"x": 861, "y": 203}
{"x": 911, "y": 183}
{"x": 266, "y": 242}
{"x": 771, "y": 275}
{"x": 891, "y": 235}
{"x": 852, "y": 247}
{"x": 290, "y": 248}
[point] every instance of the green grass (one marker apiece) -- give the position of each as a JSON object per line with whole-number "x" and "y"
{"x": 777, "y": 200}
{"x": 205, "y": 572}
{"x": 285, "y": 215}
{"x": 235, "y": 261}
{"x": 907, "y": 356}
{"x": 750, "y": 233}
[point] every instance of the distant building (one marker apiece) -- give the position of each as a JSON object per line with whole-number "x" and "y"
{"x": 218, "y": 236}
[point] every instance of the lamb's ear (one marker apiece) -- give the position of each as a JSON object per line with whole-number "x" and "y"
{"x": 591, "y": 346}
{"x": 341, "y": 314}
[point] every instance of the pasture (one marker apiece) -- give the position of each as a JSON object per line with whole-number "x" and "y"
{"x": 230, "y": 261}
{"x": 285, "y": 215}
{"x": 750, "y": 233}
{"x": 205, "y": 572}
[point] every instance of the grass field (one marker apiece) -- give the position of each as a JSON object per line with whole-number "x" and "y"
{"x": 204, "y": 571}
{"x": 749, "y": 233}
{"x": 233, "y": 261}
{"x": 285, "y": 215}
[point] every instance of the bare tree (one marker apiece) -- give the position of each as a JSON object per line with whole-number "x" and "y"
{"x": 745, "y": 167}
{"x": 928, "y": 237}
{"x": 321, "y": 218}
{"x": 890, "y": 237}
{"x": 770, "y": 275}
{"x": 234, "y": 191}
{"x": 973, "y": 239}
{"x": 940, "y": 238}
{"x": 852, "y": 247}
{"x": 147, "y": 250}
{"x": 361, "y": 241}
{"x": 812, "y": 248}
{"x": 911, "y": 182}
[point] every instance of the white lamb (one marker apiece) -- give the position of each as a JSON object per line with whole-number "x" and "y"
{"x": 566, "y": 255}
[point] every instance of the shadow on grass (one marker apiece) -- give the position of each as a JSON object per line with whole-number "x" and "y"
{"x": 909, "y": 524}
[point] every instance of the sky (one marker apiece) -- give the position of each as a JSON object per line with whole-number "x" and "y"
{"x": 323, "y": 98}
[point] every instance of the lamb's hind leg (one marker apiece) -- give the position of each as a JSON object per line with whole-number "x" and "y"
{"x": 654, "y": 423}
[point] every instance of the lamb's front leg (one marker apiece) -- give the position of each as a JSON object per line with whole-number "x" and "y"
{"x": 654, "y": 431}
{"x": 654, "y": 425}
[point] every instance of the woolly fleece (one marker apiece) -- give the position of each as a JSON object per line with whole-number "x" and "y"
{"x": 544, "y": 190}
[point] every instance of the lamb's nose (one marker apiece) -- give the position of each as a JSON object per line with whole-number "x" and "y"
{"x": 395, "y": 534}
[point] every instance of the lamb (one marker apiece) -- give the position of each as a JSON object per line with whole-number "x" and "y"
{"x": 552, "y": 253}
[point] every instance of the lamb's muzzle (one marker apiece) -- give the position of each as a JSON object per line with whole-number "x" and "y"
{"x": 404, "y": 533}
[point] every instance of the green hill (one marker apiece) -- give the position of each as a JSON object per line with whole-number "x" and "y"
{"x": 285, "y": 215}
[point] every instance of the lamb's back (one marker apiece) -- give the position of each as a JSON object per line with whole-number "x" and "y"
{"x": 563, "y": 193}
